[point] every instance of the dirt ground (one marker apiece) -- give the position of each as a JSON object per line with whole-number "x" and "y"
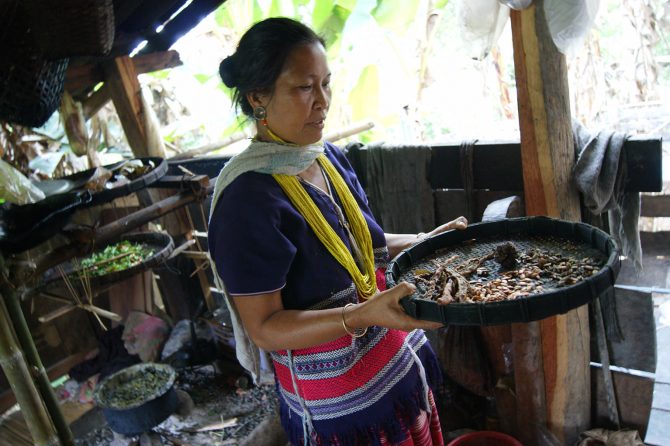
{"x": 215, "y": 410}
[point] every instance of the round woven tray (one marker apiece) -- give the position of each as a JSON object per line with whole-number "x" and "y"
{"x": 79, "y": 179}
{"x": 160, "y": 243}
{"x": 577, "y": 240}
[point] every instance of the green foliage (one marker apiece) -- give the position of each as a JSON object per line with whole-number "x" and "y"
{"x": 159, "y": 75}
{"x": 236, "y": 126}
{"x": 281, "y": 8}
{"x": 396, "y": 15}
{"x": 203, "y": 78}
{"x": 364, "y": 97}
{"x": 233, "y": 13}
{"x": 369, "y": 43}
{"x": 117, "y": 257}
{"x": 329, "y": 19}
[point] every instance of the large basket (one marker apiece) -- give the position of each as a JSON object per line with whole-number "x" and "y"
{"x": 31, "y": 86}
{"x": 69, "y": 28}
{"x": 525, "y": 233}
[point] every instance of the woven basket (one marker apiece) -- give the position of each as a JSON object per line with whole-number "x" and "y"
{"x": 69, "y": 28}
{"x": 30, "y": 85}
{"x": 557, "y": 236}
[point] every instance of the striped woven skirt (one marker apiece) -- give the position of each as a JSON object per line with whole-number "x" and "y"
{"x": 373, "y": 390}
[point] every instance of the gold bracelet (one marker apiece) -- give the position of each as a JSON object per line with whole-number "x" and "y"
{"x": 357, "y": 333}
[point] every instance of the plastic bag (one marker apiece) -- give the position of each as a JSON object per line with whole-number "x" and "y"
{"x": 464, "y": 358}
{"x": 569, "y": 22}
{"x": 15, "y": 187}
{"x": 517, "y": 4}
{"x": 481, "y": 22}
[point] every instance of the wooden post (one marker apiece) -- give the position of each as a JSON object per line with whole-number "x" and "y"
{"x": 547, "y": 155}
{"x": 121, "y": 77}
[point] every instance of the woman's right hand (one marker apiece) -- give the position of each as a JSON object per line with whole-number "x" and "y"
{"x": 384, "y": 309}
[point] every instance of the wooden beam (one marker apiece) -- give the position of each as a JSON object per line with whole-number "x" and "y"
{"x": 655, "y": 206}
{"x": 98, "y": 99}
{"x": 127, "y": 96}
{"x": 655, "y": 243}
{"x": 547, "y": 156}
{"x": 497, "y": 165}
{"x": 83, "y": 77}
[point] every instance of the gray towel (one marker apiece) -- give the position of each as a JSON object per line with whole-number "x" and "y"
{"x": 600, "y": 175}
{"x": 398, "y": 189}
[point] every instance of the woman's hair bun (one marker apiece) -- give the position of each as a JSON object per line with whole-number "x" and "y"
{"x": 227, "y": 71}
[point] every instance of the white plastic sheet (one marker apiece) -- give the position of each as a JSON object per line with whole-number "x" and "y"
{"x": 15, "y": 187}
{"x": 481, "y": 22}
{"x": 569, "y": 22}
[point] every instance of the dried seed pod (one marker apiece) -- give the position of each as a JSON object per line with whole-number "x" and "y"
{"x": 506, "y": 255}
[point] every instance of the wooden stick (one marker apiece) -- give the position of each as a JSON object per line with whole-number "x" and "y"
{"x": 196, "y": 255}
{"x": 99, "y": 311}
{"x": 88, "y": 307}
{"x": 58, "y": 312}
{"x": 54, "y": 297}
{"x": 110, "y": 259}
{"x": 182, "y": 248}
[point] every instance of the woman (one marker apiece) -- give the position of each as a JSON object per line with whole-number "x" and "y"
{"x": 294, "y": 241}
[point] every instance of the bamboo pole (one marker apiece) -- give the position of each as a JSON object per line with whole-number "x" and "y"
{"x": 209, "y": 147}
{"x": 353, "y": 130}
{"x": 16, "y": 370}
{"x": 30, "y": 351}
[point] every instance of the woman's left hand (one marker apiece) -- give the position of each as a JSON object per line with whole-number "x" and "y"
{"x": 397, "y": 242}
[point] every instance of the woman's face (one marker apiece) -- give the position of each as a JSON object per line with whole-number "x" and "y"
{"x": 297, "y": 108}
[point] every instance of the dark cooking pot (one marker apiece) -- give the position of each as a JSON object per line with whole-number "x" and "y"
{"x": 130, "y": 414}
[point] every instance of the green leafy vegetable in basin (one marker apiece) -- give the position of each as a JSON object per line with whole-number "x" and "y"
{"x": 117, "y": 257}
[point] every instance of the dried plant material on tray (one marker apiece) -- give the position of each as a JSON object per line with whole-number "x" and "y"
{"x": 498, "y": 270}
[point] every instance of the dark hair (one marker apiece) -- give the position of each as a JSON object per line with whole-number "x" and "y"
{"x": 260, "y": 57}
